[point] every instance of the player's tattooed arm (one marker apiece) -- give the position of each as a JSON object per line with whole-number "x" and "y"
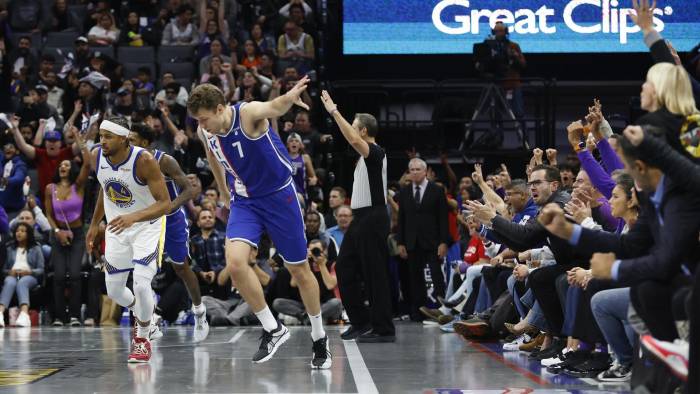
{"x": 170, "y": 168}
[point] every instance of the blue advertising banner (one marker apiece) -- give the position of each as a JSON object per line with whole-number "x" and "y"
{"x": 539, "y": 26}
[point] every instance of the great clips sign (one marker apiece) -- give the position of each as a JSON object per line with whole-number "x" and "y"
{"x": 453, "y": 26}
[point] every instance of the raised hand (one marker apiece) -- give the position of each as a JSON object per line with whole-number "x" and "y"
{"x": 328, "y": 102}
{"x": 634, "y": 134}
{"x": 552, "y": 156}
{"x": 477, "y": 175}
{"x": 296, "y": 92}
{"x": 574, "y": 131}
{"x": 537, "y": 155}
{"x": 644, "y": 14}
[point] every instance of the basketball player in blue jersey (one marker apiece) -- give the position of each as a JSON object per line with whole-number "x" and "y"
{"x": 241, "y": 142}
{"x": 134, "y": 199}
{"x": 176, "y": 229}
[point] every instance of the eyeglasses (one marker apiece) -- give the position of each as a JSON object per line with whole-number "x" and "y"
{"x": 537, "y": 182}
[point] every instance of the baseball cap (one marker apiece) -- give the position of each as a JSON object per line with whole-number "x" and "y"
{"x": 53, "y": 135}
{"x": 294, "y": 136}
{"x": 41, "y": 87}
{"x": 122, "y": 92}
{"x": 81, "y": 39}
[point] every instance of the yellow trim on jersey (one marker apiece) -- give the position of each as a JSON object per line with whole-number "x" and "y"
{"x": 161, "y": 241}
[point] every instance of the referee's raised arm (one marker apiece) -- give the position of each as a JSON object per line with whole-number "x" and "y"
{"x": 351, "y": 134}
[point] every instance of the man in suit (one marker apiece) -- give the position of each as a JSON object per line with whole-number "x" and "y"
{"x": 423, "y": 233}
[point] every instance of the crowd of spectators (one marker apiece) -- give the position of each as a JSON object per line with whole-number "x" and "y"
{"x": 574, "y": 264}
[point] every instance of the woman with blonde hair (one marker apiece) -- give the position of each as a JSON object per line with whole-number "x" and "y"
{"x": 667, "y": 95}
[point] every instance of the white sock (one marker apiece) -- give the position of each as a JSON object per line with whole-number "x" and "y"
{"x": 317, "y": 331}
{"x": 268, "y": 321}
{"x": 199, "y": 310}
{"x": 142, "y": 331}
{"x": 445, "y": 310}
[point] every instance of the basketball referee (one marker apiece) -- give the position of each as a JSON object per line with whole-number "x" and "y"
{"x": 364, "y": 254}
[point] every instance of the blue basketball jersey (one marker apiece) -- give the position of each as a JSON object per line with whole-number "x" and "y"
{"x": 259, "y": 166}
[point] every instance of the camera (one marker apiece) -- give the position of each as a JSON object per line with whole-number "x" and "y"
{"x": 316, "y": 252}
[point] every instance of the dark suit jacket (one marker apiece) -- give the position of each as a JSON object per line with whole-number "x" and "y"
{"x": 423, "y": 226}
{"x": 651, "y": 251}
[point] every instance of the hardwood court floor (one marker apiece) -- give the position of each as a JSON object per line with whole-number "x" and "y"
{"x": 423, "y": 360}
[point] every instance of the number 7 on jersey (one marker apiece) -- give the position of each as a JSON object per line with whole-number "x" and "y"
{"x": 237, "y": 145}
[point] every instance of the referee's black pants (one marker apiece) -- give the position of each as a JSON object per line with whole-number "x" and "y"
{"x": 362, "y": 264}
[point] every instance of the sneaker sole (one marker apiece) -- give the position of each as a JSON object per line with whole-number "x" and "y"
{"x": 279, "y": 343}
{"x": 326, "y": 364}
{"x": 206, "y": 334}
{"x": 137, "y": 361}
{"x": 675, "y": 368}
{"x": 615, "y": 380}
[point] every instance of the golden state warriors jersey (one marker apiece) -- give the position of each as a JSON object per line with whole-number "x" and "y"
{"x": 124, "y": 193}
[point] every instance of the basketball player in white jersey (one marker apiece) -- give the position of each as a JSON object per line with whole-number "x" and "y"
{"x": 176, "y": 229}
{"x": 135, "y": 200}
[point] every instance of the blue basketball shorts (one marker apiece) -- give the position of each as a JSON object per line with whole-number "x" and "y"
{"x": 177, "y": 237}
{"x": 278, "y": 214}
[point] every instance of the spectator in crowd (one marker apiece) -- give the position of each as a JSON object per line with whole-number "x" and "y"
{"x": 27, "y": 16}
{"x": 343, "y": 214}
{"x": 176, "y": 112}
{"x": 23, "y": 60}
{"x": 263, "y": 42}
{"x": 252, "y": 87}
{"x": 224, "y": 72}
{"x": 286, "y": 9}
{"x": 312, "y": 222}
{"x": 295, "y": 48}
{"x": 45, "y": 66}
{"x": 297, "y": 15}
{"x": 211, "y": 27}
{"x": 63, "y": 200}
{"x": 216, "y": 50}
{"x": 302, "y": 170}
{"x": 82, "y": 53}
{"x": 208, "y": 252}
{"x": 60, "y": 19}
{"x": 324, "y": 271}
{"x": 46, "y": 159}
{"x": 132, "y": 32}
{"x": 34, "y": 216}
{"x": 181, "y": 30}
{"x": 55, "y": 93}
{"x": 423, "y": 235}
{"x": 23, "y": 270}
{"x": 252, "y": 55}
{"x": 43, "y": 107}
{"x": 182, "y": 95}
{"x": 144, "y": 87}
{"x": 336, "y": 198}
{"x": 232, "y": 308}
{"x": 104, "y": 33}
{"x": 14, "y": 172}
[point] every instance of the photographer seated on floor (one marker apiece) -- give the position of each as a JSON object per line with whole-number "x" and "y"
{"x": 289, "y": 302}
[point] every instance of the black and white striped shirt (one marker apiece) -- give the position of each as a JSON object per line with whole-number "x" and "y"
{"x": 369, "y": 185}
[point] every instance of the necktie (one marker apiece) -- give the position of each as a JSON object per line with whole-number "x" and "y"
{"x": 417, "y": 195}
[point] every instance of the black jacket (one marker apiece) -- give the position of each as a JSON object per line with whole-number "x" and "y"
{"x": 423, "y": 226}
{"x": 681, "y": 169}
{"x": 651, "y": 251}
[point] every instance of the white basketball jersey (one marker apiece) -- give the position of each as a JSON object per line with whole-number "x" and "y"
{"x": 123, "y": 192}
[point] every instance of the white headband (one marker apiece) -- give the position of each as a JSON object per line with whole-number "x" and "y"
{"x": 114, "y": 128}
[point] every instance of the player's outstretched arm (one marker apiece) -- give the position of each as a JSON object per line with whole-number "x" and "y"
{"x": 256, "y": 111}
{"x": 170, "y": 168}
